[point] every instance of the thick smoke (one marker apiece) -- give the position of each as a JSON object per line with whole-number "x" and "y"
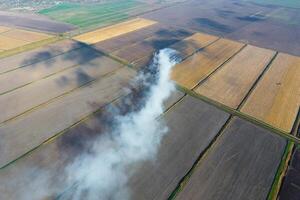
{"x": 100, "y": 163}
{"x": 103, "y": 172}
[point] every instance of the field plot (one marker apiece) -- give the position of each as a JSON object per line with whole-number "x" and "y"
{"x": 17, "y": 136}
{"x": 33, "y": 22}
{"x": 241, "y": 165}
{"x": 177, "y": 154}
{"x": 137, "y": 47}
{"x": 193, "y": 43}
{"x": 276, "y": 99}
{"x": 230, "y": 84}
{"x": 25, "y": 35}
{"x": 31, "y": 73}
{"x": 46, "y": 52}
{"x": 160, "y": 39}
{"x": 127, "y": 39}
{"x": 19, "y": 101}
{"x": 113, "y": 31}
{"x": 87, "y": 15}
{"x": 252, "y": 21}
{"x": 7, "y": 43}
{"x": 200, "y": 123}
{"x": 12, "y": 38}
{"x": 197, "y": 67}
{"x": 4, "y": 29}
{"x": 84, "y": 15}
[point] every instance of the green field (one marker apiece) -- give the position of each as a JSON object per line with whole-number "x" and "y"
{"x": 285, "y": 3}
{"x": 89, "y": 15}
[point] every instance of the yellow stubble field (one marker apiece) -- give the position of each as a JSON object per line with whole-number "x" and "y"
{"x": 200, "y": 65}
{"x": 11, "y": 38}
{"x": 230, "y": 84}
{"x": 276, "y": 99}
{"x": 114, "y": 30}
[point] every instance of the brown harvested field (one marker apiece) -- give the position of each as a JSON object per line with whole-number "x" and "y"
{"x": 249, "y": 21}
{"x": 24, "y": 35}
{"x": 241, "y": 165}
{"x": 135, "y": 51}
{"x": 276, "y": 99}
{"x": 19, "y": 101}
{"x": 4, "y": 29}
{"x": 7, "y": 43}
{"x": 127, "y": 39}
{"x": 176, "y": 156}
{"x": 200, "y": 123}
{"x": 55, "y": 155}
{"x": 200, "y": 65}
{"x": 193, "y": 43}
{"x": 18, "y": 138}
{"x": 230, "y": 84}
{"x": 185, "y": 48}
{"x": 23, "y": 76}
{"x": 114, "y": 31}
{"x": 37, "y": 55}
{"x": 162, "y": 38}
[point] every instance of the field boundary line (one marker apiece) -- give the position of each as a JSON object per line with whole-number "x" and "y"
{"x": 201, "y": 157}
{"x": 284, "y": 164}
{"x": 51, "y": 139}
{"x": 26, "y": 65}
{"x": 57, "y": 97}
{"x": 219, "y": 67}
{"x": 237, "y": 113}
{"x": 258, "y": 79}
{"x": 52, "y": 74}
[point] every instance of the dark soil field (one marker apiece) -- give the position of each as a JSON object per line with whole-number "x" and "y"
{"x": 241, "y": 165}
{"x": 276, "y": 26}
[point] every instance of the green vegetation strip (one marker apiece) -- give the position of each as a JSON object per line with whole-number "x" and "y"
{"x": 282, "y": 169}
{"x": 85, "y": 15}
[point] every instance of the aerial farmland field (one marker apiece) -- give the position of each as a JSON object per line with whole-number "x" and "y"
{"x": 149, "y": 100}
{"x": 89, "y": 15}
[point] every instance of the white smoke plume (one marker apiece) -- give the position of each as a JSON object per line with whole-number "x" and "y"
{"x": 101, "y": 169}
{"x": 103, "y": 173}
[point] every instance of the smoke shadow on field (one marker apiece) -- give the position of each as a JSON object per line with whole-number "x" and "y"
{"x": 78, "y": 53}
{"x": 210, "y": 24}
{"x": 53, "y": 60}
{"x": 162, "y": 38}
{"x": 49, "y": 163}
{"x": 253, "y": 18}
{"x": 224, "y": 13}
